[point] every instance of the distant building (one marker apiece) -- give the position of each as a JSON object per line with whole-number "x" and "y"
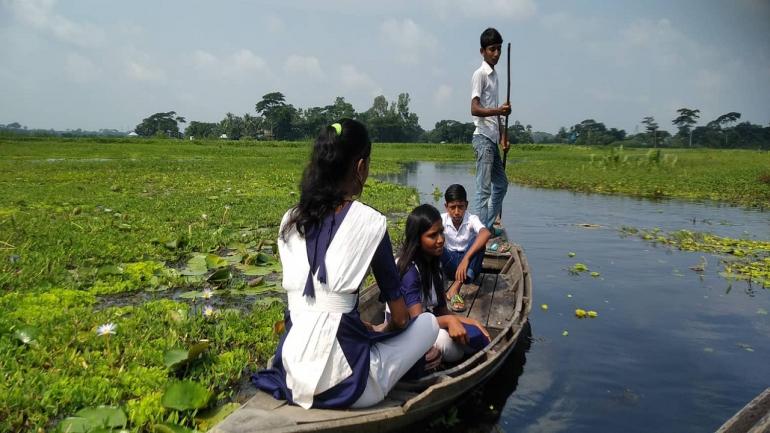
{"x": 133, "y": 134}
{"x": 223, "y": 136}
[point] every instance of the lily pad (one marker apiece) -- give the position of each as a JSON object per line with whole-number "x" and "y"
{"x": 252, "y": 270}
{"x": 104, "y": 416}
{"x": 177, "y": 357}
{"x": 213, "y": 261}
{"x": 195, "y": 266}
{"x": 210, "y": 418}
{"x": 186, "y": 395}
{"x": 220, "y": 276}
{"x": 170, "y": 428}
{"x": 268, "y": 302}
{"x": 74, "y": 424}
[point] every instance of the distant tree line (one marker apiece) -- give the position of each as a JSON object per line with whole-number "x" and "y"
{"x": 393, "y": 121}
{"x": 15, "y": 129}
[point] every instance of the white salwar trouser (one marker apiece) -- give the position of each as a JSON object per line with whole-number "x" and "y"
{"x": 451, "y": 350}
{"x": 392, "y": 358}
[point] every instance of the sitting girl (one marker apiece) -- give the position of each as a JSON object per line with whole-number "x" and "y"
{"x": 422, "y": 287}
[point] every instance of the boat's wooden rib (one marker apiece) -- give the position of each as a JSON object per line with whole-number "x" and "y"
{"x": 502, "y": 302}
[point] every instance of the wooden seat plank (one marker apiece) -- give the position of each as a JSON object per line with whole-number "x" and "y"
{"x": 481, "y": 304}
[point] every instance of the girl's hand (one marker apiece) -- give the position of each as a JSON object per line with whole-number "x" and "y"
{"x": 457, "y": 331}
{"x": 432, "y": 358}
{"x": 481, "y": 328}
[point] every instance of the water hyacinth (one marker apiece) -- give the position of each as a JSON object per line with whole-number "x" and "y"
{"x": 106, "y": 329}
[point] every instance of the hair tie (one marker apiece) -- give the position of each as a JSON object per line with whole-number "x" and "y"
{"x": 337, "y": 127}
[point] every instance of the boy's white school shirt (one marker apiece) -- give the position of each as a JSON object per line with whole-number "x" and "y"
{"x": 484, "y": 86}
{"x": 458, "y": 239}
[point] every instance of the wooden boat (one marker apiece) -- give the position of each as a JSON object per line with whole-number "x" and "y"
{"x": 502, "y": 302}
{"x": 753, "y": 418}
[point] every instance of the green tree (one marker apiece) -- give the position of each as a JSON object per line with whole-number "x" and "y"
{"x": 651, "y": 127}
{"x": 280, "y": 118}
{"x": 202, "y": 130}
{"x": 160, "y": 124}
{"x": 685, "y": 121}
{"x": 723, "y": 122}
{"x": 232, "y": 126}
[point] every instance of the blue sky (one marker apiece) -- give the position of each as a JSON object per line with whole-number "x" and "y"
{"x": 105, "y": 64}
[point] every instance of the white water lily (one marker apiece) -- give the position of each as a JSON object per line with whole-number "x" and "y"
{"x": 208, "y": 311}
{"x": 106, "y": 329}
{"x": 207, "y": 293}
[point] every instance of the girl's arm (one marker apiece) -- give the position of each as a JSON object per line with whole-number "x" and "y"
{"x": 386, "y": 274}
{"x": 446, "y": 316}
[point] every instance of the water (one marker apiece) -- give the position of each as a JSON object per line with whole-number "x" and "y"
{"x": 671, "y": 350}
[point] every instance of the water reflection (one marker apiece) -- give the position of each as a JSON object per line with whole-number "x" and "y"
{"x": 671, "y": 350}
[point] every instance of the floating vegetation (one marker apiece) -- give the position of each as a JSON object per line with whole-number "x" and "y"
{"x": 744, "y": 259}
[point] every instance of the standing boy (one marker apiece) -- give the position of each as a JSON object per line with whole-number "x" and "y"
{"x": 491, "y": 182}
{"x": 465, "y": 239}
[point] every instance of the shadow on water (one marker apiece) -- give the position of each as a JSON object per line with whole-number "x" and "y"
{"x": 480, "y": 410}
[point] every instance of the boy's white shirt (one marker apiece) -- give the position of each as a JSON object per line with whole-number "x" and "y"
{"x": 312, "y": 356}
{"x": 484, "y": 87}
{"x": 458, "y": 239}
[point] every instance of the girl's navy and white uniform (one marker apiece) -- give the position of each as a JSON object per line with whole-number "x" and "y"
{"x": 327, "y": 358}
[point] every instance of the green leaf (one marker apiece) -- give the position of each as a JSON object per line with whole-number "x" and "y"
{"x": 268, "y": 302}
{"x": 197, "y": 349}
{"x": 220, "y": 276}
{"x": 186, "y": 395}
{"x": 104, "y": 416}
{"x": 109, "y": 270}
{"x": 251, "y": 270}
{"x": 26, "y": 334}
{"x": 210, "y": 418}
{"x": 191, "y": 294}
{"x": 174, "y": 358}
{"x": 213, "y": 261}
{"x": 195, "y": 266}
{"x": 74, "y": 425}
{"x": 171, "y": 428}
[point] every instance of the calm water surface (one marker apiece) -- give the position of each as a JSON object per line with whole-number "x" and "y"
{"x": 671, "y": 350}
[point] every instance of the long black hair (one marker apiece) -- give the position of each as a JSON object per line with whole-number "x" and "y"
{"x": 330, "y": 174}
{"x": 418, "y": 222}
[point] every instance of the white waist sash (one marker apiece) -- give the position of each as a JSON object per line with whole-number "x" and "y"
{"x": 324, "y": 302}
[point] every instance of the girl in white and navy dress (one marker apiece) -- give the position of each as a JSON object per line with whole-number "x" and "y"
{"x": 422, "y": 286}
{"x": 328, "y": 357}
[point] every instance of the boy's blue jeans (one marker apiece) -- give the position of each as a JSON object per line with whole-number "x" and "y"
{"x": 451, "y": 259}
{"x": 491, "y": 181}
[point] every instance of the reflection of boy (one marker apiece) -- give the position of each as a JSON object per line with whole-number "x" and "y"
{"x": 491, "y": 182}
{"x": 465, "y": 240}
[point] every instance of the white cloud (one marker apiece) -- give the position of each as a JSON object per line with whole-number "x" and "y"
{"x": 353, "y": 79}
{"x": 442, "y": 95}
{"x": 203, "y": 59}
{"x": 40, "y": 14}
{"x": 508, "y": 9}
{"x": 143, "y": 72}
{"x": 304, "y": 66}
{"x": 80, "y": 68}
{"x": 242, "y": 62}
{"x": 245, "y": 61}
{"x": 409, "y": 40}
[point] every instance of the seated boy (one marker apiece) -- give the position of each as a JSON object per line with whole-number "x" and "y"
{"x": 465, "y": 241}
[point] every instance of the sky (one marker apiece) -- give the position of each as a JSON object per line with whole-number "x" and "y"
{"x": 96, "y": 64}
